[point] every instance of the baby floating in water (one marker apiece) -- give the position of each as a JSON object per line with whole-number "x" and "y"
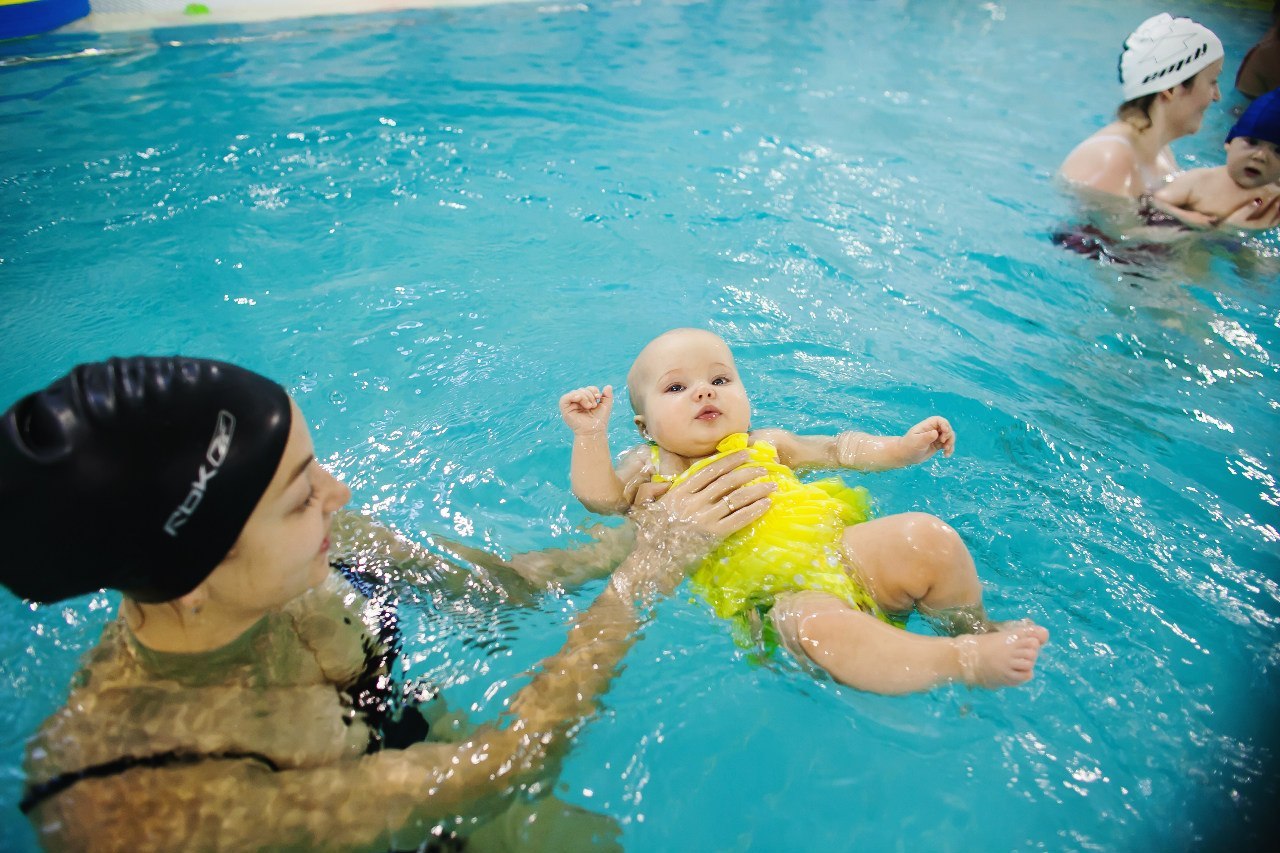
{"x": 1243, "y": 193}
{"x": 815, "y": 573}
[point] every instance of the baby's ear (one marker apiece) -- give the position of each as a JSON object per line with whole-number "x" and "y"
{"x": 639, "y": 422}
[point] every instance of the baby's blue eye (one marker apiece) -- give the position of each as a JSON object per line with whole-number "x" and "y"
{"x": 720, "y": 380}
{"x": 674, "y": 388}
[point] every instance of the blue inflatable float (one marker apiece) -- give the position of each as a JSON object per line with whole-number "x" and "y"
{"x": 28, "y": 17}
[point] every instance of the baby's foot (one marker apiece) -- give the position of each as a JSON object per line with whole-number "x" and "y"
{"x": 1001, "y": 658}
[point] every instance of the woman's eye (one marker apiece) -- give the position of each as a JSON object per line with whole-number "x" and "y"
{"x": 310, "y": 501}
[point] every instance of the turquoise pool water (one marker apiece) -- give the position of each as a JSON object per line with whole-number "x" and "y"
{"x": 429, "y": 225}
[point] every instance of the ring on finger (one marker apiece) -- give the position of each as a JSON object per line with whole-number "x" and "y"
{"x": 728, "y": 501}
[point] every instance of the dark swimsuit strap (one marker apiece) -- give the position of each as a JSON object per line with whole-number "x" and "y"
{"x": 451, "y": 842}
{"x": 392, "y": 725}
{"x": 37, "y": 794}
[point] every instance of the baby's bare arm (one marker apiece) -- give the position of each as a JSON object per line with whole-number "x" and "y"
{"x": 801, "y": 451}
{"x": 591, "y": 475}
{"x": 592, "y": 478}
{"x": 1210, "y": 198}
{"x": 1182, "y": 198}
{"x": 862, "y": 451}
{"x": 1178, "y": 191}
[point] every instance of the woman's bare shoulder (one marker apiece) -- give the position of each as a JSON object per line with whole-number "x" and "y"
{"x": 1106, "y": 161}
{"x": 1108, "y": 145}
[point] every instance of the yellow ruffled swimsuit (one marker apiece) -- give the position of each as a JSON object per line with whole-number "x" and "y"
{"x": 794, "y": 546}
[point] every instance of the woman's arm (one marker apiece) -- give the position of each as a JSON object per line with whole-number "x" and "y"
{"x": 395, "y": 797}
{"x": 1259, "y": 214}
{"x": 453, "y": 569}
{"x": 459, "y": 570}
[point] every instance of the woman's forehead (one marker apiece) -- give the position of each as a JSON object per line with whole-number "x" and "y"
{"x": 298, "y": 451}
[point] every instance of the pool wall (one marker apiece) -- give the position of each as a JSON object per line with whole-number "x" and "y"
{"x": 124, "y": 15}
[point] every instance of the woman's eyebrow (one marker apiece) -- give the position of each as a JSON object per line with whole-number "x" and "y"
{"x": 298, "y": 471}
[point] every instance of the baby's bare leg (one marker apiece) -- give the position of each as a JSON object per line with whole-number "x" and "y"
{"x": 917, "y": 561}
{"x": 859, "y": 650}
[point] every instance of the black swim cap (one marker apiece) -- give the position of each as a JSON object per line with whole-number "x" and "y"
{"x": 135, "y": 474}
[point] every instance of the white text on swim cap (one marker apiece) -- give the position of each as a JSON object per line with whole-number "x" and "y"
{"x": 219, "y": 446}
{"x": 1200, "y": 51}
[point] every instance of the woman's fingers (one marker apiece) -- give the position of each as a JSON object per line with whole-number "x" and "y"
{"x": 720, "y": 478}
{"x": 692, "y": 517}
{"x": 1270, "y": 213}
{"x": 725, "y": 487}
{"x": 743, "y": 516}
{"x": 723, "y": 497}
{"x": 744, "y": 505}
{"x": 1261, "y": 211}
{"x": 647, "y": 493}
{"x": 747, "y": 494}
{"x": 711, "y": 474}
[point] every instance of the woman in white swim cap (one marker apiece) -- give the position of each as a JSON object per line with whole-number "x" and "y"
{"x": 1169, "y": 76}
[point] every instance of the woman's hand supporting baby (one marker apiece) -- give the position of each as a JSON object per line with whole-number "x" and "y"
{"x": 683, "y": 524}
{"x": 1255, "y": 215}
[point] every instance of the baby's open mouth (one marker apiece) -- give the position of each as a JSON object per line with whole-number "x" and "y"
{"x": 708, "y": 413}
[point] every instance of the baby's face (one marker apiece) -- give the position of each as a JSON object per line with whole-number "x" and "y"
{"x": 1253, "y": 163}
{"x": 688, "y": 394}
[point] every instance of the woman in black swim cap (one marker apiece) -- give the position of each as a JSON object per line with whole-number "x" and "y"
{"x": 159, "y": 459}
{"x": 240, "y": 701}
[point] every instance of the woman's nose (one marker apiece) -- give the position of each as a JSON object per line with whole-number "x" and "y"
{"x": 336, "y": 493}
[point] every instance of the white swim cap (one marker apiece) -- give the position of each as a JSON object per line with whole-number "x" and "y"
{"x": 1163, "y": 52}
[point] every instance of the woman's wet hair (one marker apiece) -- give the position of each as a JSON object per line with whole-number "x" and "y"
{"x": 134, "y": 474}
